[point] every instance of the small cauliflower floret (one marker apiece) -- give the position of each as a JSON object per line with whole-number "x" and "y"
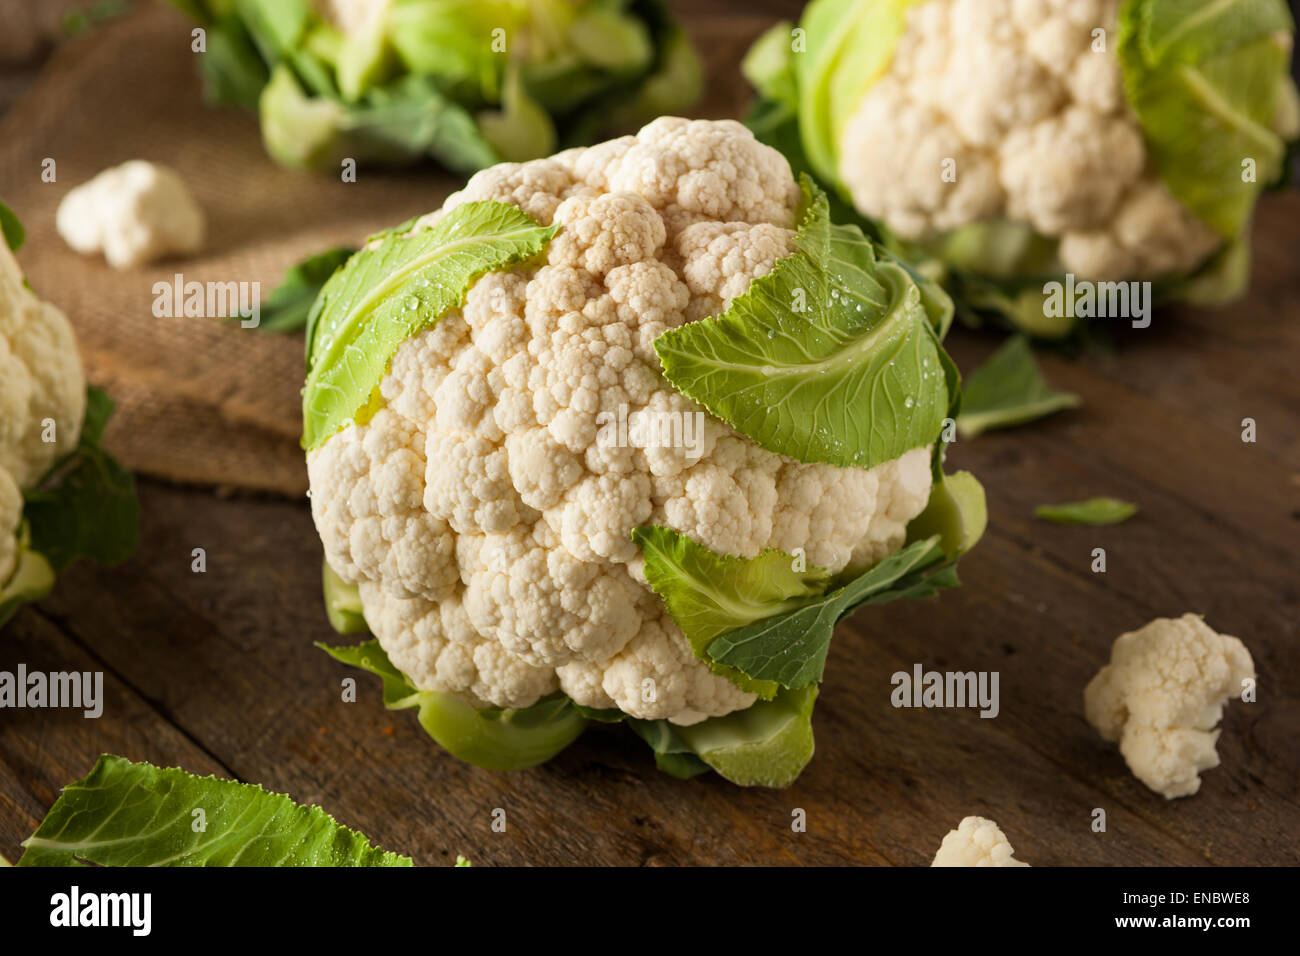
{"x": 1069, "y": 170}
{"x": 656, "y": 675}
{"x": 1015, "y": 101}
{"x": 710, "y": 171}
{"x": 437, "y": 647}
{"x": 1014, "y": 89}
{"x": 42, "y": 395}
{"x": 1096, "y": 83}
{"x": 904, "y": 490}
{"x": 727, "y": 502}
{"x": 1161, "y": 696}
{"x": 546, "y": 605}
{"x": 1151, "y": 232}
{"x": 725, "y": 257}
{"x": 486, "y": 510}
{"x": 897, "y": 177}
{"x": 369, "y": 535}
{"x": 976, "y": 842}
{"x": 135, "y": 213}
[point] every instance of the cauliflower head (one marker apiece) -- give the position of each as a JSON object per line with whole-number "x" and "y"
{"x": 467, "y": 84}
{"x": 1032, "y": 114}
{"x": 1161, "y": 696}
{"x": 135, "y": 214}
{"x": 1009, "y": 142}
{"x": 42, "y": 396}
{"x": 976, "y": 842}
{"x": 485, "y": 508}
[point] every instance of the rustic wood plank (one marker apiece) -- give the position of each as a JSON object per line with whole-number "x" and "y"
{"x": 43, "y": 750}
{"x": 1218, "y": 366}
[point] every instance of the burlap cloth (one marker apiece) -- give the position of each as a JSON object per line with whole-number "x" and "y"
{"x": 201, "y": 400}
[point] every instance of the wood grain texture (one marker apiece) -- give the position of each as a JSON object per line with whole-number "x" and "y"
{"x": 216, "y": 671}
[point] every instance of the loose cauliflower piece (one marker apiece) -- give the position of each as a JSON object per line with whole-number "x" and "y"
{"x": 976, "y": 842}
{"x": 1043, "y": 136}
{"x": 480, "y": 512}
{"x": 42, "y": 396}
{"x": 135, "y": 213}
{"x": 1161, "y": 696}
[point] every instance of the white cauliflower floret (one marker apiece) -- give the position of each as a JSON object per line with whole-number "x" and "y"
{"x": 42, "y": 395}
{"x": 379, "y": 530}
{"x": 486, "y": 509}
{"x": 1013, "y": 97}
{"x": 1151, "y": 234}
{"x": 442, "y": 643}
{"x": 135, "y": 213}
{"x": 721, "y": 259}
{"x": 1048, "y": 170}
{"x": 657, "y": 675}
{"x": 1161, "y": 696}
{"x": 976, "y": 842}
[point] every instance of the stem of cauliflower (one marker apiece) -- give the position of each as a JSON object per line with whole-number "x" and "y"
{"x": 511, "y": 739}
{"x": 501, "y": 739}
{"x": 32, "y": 579}
{"x": 342, "y": 603}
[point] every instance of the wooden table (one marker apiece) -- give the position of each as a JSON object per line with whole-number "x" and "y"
{"x": 216, "y": 672}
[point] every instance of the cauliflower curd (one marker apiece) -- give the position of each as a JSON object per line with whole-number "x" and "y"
{"x": 481, "y": 514}
{"x": 977, "y": 841}
{"x": 135, "y": 214}
{"x": 42, "y": 396}
{"x": 62, "y": 497}
{"x": 1026, "y": 99}
{"x": 1161, "y": 696}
